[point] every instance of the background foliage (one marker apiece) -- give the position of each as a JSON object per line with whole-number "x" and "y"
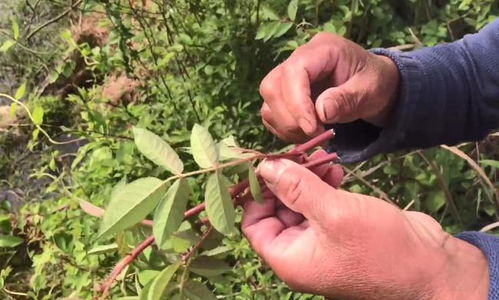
{"x": 93, "y": 69}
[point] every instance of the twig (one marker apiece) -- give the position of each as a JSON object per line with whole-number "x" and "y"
{"x": 55, "y": 19}
{"x": 316, "y": 141}
{"x": 124, "y": 263}
{"x": 380, "y": 193}
{"x": 192, "y": 251}
{"x": 443, "y": 185}
{"x": 490, "y": 227}
{"x": 479, "y": 170}
{"x": 37, "y": 125}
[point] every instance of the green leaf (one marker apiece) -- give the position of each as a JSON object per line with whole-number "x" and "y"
{"x": 195, "y": 290}
{"x": 15, "y": 29}
{"x": 490, "y": 163}
{"x": 170, "y": 212}
{"x": 203, "y": 147}
{"x": 145, "y": 276}
{"x": 7, "y": 45}
{"x": 38, "y": 113}
{"x": 217, "y": 251}
{"x": 292, "y": 9}
{"x": 435, "y": 201}
{"x": 208, "y": 266}
{"x": 103, "y": 249}
{"x": 268, "y": 13}
{"x": 157, "y": 150}
{"x": 280, "y": 29}
{"x": 255, "y": 189}
{"x": 144, "y": 293}
{"x": 160, "y": 283}
{"x": 21, "y": 91}
{"x": 132, "y": 204}
{"x": 265, "y": 30}
{"x": 219, "y": 207}
{"x": 9, "y": 241}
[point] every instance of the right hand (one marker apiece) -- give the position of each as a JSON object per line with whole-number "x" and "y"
{"x": 345, "y": 81}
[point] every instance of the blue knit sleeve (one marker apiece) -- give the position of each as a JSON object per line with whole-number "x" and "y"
{"x": 489, "y": 245}
{"x": 448, "y": 94}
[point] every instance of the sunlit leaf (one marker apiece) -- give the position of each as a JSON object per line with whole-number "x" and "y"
{"x": 38, "y": 113}
{"x": 490, "y": 163}
{"x": 160, "y": 283}
{"x": 15, "y": 30}
{"x": 9, "y": 241}
{"x": 219, "y": 207}
{"x": 157, "y": 150}
{"x": 292, "y": 9}
{"x": 144, "y": 293}
{"x": 103, "y": 249}
{"x": 7, "y": 45}
{"x": 132, "y": 204}
{"x": 21, "y": 91}
{"x": 203, "y": 147}
{"x": 255, "y": 188}
{"x": 170, "y": 211}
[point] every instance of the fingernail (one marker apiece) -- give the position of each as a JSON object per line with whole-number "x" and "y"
{"x": 328, "y": 117}
{"x": 270, "y": 170}
{"x": 306, "y": 125}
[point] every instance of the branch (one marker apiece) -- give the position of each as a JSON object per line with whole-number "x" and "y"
{"x": 186, "y": 257}
{"x": 124, "y": 263}
{"x": 51, "y": 21}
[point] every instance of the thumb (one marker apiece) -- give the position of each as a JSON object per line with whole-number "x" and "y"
{"x": 298, "y": 188}
{"x": 341, "y": 104}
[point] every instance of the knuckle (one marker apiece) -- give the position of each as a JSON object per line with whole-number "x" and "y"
{"x": 267, "y": 88}
{"x": 345, "y": 103}
{"x": 292, "y": 188}
{"x": 266, "y": 113}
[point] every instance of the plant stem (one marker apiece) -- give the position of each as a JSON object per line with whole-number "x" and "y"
{"x": 206, "y": 235}
{"x": 124, "y": 263}
{"x": 316, "y": 141}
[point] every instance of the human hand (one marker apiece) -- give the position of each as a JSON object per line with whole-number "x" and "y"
{"x": 345, "y": 81}
{"x": 326, "y": 241}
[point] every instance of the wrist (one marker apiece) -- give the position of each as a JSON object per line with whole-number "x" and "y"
{"x": 465, "y": 274}
{"x": 387, "y": 89}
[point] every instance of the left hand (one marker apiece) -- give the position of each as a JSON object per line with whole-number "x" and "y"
{"x": 323, "y": 240}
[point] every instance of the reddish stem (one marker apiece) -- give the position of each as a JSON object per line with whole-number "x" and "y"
{"x": 206, "y": 235}
{"x": 124, "y": 263}
{"x": 314, "y": 142}
{"x": 330, "y": 157}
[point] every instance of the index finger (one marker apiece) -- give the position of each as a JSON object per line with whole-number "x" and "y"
{"x": 307, "y": 65}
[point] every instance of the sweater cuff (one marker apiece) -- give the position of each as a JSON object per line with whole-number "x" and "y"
{"x": 489, "y": 245}
{"x": 371, "y": 140}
